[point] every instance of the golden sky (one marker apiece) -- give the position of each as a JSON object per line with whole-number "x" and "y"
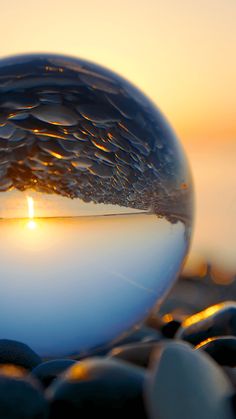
{"x": 181, "y": 53}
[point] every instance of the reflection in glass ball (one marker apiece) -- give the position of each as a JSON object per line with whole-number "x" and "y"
{"x": 95, "y": 204}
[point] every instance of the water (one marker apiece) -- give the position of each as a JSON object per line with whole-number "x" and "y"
{"x": 112, "y": 198}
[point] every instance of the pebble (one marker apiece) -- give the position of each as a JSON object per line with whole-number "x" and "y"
{"x": 101, "y": 170}
{"x": 21, "y": 396}
{"x": 48, "y": 371}
{"x": 7, "y": 131}
{"x": 17, "y": 353}
{"x": 55, "y": 114}
{"x": 19, "y": 101}
{"x": 136, "y": 353}
{"x": 98, "y": 113}
{"x": 185, "y": 384}
{"x": 217, "y": 320}
{"x": 106, "y": 388}
{"x": 222, "y": 349}
{"x": 231, "y": 374}
{"x": 140, "y": 334}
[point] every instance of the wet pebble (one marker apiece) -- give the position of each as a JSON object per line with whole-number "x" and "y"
{"x": 185, "y": 384}
{"x": 98, "y": 113}
{"x": 17, "y": 353}
{"x": 136, "y": 353}
{"x": 7, "y": 131}
{"x": 222, "y": 349}
{"x": 102, "y": 387}
{"x": 101, "y": 170}
{"x": 48, "y": 371}
{"x": 55, "y": 114}
{"x": 21, "y": 396}
{"x": 140, "y": 334}
{"x": 217, "y": 320}
{"x": 19, "y": 101}
{"x": 55, "y": 149}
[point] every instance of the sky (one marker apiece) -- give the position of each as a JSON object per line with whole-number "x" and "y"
{"x": 182, "y": 55}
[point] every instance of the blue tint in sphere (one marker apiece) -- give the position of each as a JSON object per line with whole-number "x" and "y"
{"x": 95, "y": 204}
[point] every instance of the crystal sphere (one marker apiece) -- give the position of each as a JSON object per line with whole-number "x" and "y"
{"x": 95, "y": 204}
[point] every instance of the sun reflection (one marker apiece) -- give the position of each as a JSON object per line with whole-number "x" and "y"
{"x": 31, "y": 223}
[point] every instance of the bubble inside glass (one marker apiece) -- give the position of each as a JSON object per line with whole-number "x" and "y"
{"x": 95, "y": 204}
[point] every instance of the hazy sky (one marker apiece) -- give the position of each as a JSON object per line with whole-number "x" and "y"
{"x": 179, "y": 52}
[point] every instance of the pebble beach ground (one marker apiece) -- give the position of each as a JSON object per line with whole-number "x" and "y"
{"x": 180, "y": 364}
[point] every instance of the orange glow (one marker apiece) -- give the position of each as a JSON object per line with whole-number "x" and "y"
{"x": 167, "y": 318}
{"x": 222, "y": 277}
{"x": 78, "y": 372}
{"x": 202, "y": 315}
{"x": 204, "y": 342}
{"x": 12, "y": 370}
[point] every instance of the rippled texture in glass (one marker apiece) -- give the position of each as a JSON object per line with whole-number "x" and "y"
{"x": 98, "y": 167}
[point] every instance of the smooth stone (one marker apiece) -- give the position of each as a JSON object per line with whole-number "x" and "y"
{"x": 21, "y": 396}
{"x": 135, "y": 353}
{"x": 55, "y": 114}
{"x": 222, "y": 349}
{"x": 98, "y": 386}
{"x": 17, "y": 353}
{"x": 98, "y": 113}
{"x": 20, "y": 101}
{"x": 104, "y": 145}
{"x": 7, "y": 131}
{"x": 187, "y": 384}
{"x": 48, "y": 371}
{"x": 217, "y": 320}
{"x": 231, "y": 374}
{"x": 107, "y": 157}
{"x": 18, "y": 135}
{"x": 142, "y": 334}
{"x": 82, "y": 163}
{"x": 101, "y": 170}
{"x": 56, "y": 150}
{"x": 72, "y": 146}
{"x": 80, "y": 136}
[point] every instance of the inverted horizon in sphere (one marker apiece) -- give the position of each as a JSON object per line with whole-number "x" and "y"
{"x": 107, "y": 191}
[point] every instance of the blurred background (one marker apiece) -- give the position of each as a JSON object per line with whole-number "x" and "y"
{"x": 182, "y": 55}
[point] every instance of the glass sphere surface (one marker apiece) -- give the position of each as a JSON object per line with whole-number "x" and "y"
{"x": 95, "y": 204}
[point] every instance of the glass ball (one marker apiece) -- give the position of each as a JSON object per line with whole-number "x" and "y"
{"x": 95, "y": 204}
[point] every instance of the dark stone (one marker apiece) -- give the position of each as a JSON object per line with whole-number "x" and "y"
{"x": 17, "y": 353}
{"x": 142, "y": 334}
{"x": 222, "y": 349}
{"x": 102, "y": 387}
{"x": 48, "y": 371}
{"x": 231, "y": 373}
{"x": 170, "y": 325}
{"x": 21, "y": 396}
{"x": 218, "y": 320}
{"x": 184, "y": 384}
{"x": 135, "y": 353}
